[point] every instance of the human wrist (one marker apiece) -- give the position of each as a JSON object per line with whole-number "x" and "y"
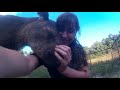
{"x": 62, "y": 69}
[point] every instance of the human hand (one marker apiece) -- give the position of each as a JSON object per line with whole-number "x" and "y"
{"x": 63, "y": 53}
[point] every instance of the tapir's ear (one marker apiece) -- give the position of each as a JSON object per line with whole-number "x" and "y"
{"x": 44, "y": 15}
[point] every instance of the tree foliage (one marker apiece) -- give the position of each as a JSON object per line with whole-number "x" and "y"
{"x": 111, "y": 43}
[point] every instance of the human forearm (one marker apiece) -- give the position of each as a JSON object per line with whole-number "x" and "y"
{"x": 72, "y": 73}
{"x": 13, "y": 63}
{"x": 33, "y": 62}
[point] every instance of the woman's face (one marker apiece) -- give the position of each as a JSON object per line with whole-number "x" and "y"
{"x": 68, "y": 35}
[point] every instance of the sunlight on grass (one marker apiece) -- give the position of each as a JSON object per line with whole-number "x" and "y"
{"x": 106, "y": 69}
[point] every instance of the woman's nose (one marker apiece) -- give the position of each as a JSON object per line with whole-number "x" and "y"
{"x": 64, "y": 34}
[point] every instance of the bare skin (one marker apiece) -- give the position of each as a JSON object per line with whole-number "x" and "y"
{"x": 65, "y": 52}
{"x": 15, "y": 64}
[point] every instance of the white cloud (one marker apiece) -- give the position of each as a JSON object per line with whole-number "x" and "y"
{"x": 9, "y": 13}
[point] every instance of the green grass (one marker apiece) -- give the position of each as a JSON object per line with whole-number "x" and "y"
{"x": 106, "y": 69}
{"x": 103, "y": 69}
{"x": 40, "y": 72}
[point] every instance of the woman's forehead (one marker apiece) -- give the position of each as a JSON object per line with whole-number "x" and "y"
{"x": 70, "y": 26}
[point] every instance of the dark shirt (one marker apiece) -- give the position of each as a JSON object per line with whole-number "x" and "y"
{"x": 78, "y": 60}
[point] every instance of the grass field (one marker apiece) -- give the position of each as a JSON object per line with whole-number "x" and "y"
{"x": 105, "y": 66}
{"x": 105, "y": 57}
{"x": 40, "y": 72}
{"x": 106, "y": 69}
{"x": 101, "y": 67}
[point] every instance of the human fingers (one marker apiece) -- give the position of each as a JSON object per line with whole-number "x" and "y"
{"x": 62, "y": 53}
{"x": 59, "y": 57}
{"x": 66, "y": 49}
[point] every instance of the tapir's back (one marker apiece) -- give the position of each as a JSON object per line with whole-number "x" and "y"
{"x": 9, "y": 25}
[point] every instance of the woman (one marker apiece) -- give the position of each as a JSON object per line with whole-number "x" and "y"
{"x": 71, "y": 54}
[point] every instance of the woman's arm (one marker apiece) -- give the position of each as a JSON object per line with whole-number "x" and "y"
{"x": 72, "y": 73}
{"x": 63, "y": 53}
{"x": 15, "y": 64}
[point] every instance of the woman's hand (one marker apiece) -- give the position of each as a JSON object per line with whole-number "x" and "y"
{"x": 63, "y": 53}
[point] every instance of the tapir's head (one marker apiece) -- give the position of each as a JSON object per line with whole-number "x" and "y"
{"x": 42, "y": 37}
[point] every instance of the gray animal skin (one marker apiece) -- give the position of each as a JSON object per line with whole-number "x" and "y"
{"x": 39, "y": 33}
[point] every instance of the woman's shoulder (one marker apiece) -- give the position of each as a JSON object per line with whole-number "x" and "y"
{"x": 75, "y": 45}
{"x": 79, "y": 46}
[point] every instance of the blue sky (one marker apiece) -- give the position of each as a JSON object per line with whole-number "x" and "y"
{"x": 94, "y": 26}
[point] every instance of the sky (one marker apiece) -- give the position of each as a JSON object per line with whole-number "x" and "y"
{"x": 94, "y": 26}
